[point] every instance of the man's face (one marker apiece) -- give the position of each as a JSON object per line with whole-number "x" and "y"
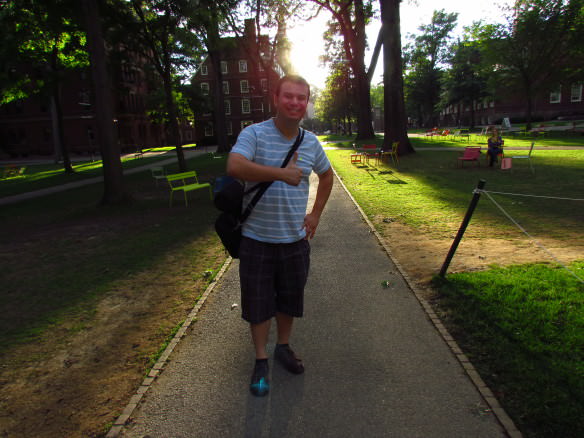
{"x": 292, "y": 101}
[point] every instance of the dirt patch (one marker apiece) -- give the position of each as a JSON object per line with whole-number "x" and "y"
{"x": 422, "y": 257}
{"x": 78, "y": 376}
{"x": 76, "y": 385}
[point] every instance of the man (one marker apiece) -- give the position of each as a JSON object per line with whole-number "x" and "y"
{"x": 275, "y": 253}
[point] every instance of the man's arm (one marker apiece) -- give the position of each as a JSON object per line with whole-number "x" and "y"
{"x": 325, "y": 185}
{"x": 241, "y": 168}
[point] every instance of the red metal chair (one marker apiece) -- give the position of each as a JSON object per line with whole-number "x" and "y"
{"x": 371, "y": 151}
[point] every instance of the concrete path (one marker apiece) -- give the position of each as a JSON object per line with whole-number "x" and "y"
{"x": 375, "y": 364}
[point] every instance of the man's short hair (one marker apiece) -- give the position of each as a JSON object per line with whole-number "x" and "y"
{"x": 296, "y": 79}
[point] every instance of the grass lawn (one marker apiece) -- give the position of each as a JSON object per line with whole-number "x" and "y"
{"x": 40, "y": 176}
{"x": 75, "y": 251}
{"x": 522, "y": 326}
{"x": 557, "y": 140}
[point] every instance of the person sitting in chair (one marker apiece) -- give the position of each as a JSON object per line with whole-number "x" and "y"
{"x": 495, "y": 143}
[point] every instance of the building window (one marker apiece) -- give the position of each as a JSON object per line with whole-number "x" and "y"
{"x": 208, "y": 130}
{"x": 245, "y": 123}
{"x": 576, "y": 93}
{"x": 227, "y": 107}
{"x": 205, "y": 88}
{"x": 244, "y": 86}
{"x": 264, "y": 85}
{"x": 260, "y": 107}
{"x": 260, "y": 66}
{"x": 556, "y": 95}
{"x": 242, "y": 66}
{"x": 229, "y": 128}
{"x": 84, "y": 99}
{"x": 245, "y": 108}
{"x": 225, "y": 87}
{"x": 204, "y": 70}
{"x": 223, "y": 67}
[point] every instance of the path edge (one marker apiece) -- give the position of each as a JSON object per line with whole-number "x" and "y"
{"x": 501, "y": 416}
{"x": 119, "y": 424}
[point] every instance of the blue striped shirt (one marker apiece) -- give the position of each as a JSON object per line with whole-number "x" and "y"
{"x": 279, "y": 215}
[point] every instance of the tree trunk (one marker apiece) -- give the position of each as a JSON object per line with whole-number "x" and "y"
{"x": 362, "y": 86}
{"x": 364, "y": 119}
{"x": 394, "y": 117}
{"x": 114, "y": 192}
{"x": 57, "y": 115}
{"x": 172, "y": 115}
{"x": 529, "y": 102}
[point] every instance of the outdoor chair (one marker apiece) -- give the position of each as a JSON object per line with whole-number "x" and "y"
{"x": 158, "y": 173}
{"x": 186, "y": 182}
{"x": 464, "y": 133}
{"x": 526, "y": 157}
{"x": 470, "y": 154}
{"x": 392, "y": 154}
{"x": 370, "y": 151}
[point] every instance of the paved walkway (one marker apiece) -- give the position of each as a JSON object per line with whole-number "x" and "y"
{"x": 376, "y": 365}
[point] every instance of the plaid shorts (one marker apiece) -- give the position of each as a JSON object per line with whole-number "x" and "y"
{"x": 272, "y": 276}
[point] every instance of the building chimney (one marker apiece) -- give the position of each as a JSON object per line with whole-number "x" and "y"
{"x": 250, "y": 29}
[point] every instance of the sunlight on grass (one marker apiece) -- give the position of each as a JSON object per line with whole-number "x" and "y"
{"x": 520, "y": 325}
{"x": 428, "y": 192}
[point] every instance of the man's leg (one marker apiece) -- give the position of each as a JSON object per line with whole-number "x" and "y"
{"x": 260, "y": 383}
{"x": 257, "y": 304}
{"x": 283, "y": 353}
{"x": 259, "y": 336}
{"x": 284, "y": 322}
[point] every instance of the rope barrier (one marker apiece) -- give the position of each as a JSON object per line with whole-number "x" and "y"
{"x": 528, "y": 235}
{"x": 531, "y": 196}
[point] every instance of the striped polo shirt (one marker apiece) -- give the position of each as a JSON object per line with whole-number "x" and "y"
{"x": 279, "y": 215}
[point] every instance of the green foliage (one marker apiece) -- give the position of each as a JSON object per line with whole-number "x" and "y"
{"x": 335, "y": 102}
{"x": 377, "y": 96}
{"x": 424, "y": 57}
{"x": 466, "y": 80}
{"x": 540, "y": 46}
{"x": 40, "y": 39}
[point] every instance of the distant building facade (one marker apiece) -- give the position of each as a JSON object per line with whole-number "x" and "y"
{"x": 563, "y": 102}
{"x": 27, "y": 126}
{"x": 247, "y": 86}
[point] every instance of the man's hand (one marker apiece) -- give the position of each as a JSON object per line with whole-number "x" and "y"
{"x": 311, "y": 221}
{"x": 292, "y": 174}
{"x": 325, "y": 185}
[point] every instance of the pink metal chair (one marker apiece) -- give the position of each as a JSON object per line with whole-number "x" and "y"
{"x": 470, "y": 154}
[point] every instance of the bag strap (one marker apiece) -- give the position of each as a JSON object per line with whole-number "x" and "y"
{"x": 265, "y": 185}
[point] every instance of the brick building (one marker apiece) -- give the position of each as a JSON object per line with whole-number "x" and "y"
{"x": 247, "y": 86}
{"x": 27, "y": 126}
{"x": 563, "y": 102}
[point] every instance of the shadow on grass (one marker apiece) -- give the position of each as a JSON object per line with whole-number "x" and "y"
{"x": 435, "y": 184}
{"x": 61, "y": 253}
